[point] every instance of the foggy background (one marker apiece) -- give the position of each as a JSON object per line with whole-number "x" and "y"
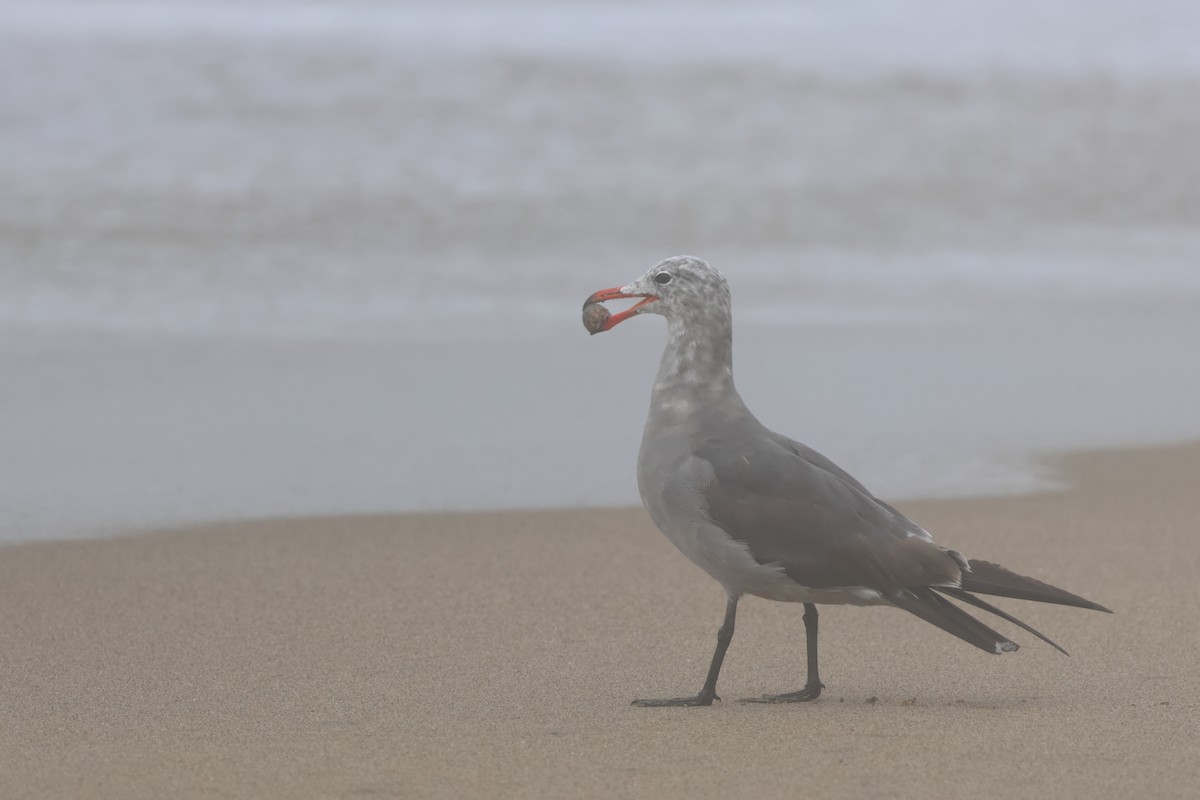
{"x": 262, "y": 258}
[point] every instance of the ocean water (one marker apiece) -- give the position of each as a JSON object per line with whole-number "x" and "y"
{"x": 265, "y": 258}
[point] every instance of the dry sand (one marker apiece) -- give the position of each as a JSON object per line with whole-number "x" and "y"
{"x": 495, "y": 655}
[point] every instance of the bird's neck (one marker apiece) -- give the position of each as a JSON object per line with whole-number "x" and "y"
{"x": 696, "y": 369}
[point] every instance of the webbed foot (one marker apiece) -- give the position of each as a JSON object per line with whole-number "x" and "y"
{"x": 697, "y": 700}
{"x": 809, "y": 692}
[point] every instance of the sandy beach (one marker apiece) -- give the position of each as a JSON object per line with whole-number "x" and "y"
{"x": 495, "y": 655}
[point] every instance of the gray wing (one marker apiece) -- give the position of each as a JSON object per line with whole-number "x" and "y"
{"x": 793, "y": 507}
{"x": 821, "y": 462}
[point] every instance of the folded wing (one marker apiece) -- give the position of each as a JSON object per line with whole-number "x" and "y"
{"x": 795, "y": 508}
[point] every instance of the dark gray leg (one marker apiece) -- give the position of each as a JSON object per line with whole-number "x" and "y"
{"x": 709, "y": 692}
{"x": 813, "y": 686}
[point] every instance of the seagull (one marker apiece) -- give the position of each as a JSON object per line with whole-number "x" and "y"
{"x": 767, "y": 516}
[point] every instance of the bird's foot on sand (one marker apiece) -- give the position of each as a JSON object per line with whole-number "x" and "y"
{"x": 810, "y": 692}
{"x": 698, "y": 700}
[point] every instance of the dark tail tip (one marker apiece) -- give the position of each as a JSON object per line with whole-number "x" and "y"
{"x": 991, "y": 609}
{"x": 988, "y": 578}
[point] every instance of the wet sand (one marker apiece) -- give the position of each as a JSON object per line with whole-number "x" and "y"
{"x": 495, "y": 655}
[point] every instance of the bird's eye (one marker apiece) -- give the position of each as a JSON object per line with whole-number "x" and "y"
{"x": 662, "y": 278}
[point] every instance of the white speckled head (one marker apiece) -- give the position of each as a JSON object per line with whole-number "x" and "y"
{"x": 695, "y": 299}
{"x": 686, "y": 288}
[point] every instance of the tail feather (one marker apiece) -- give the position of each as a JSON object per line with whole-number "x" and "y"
{"x": 985, "y": 578}
{"x": 975, "y": 601}
{"x": 988, "y": 578}
{"x": 932, "y": 607}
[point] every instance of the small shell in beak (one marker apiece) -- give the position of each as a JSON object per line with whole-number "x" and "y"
{"x": 594, "y": 317}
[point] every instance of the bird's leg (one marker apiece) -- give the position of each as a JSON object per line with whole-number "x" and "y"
{"x": 813, "y": 686}
{"x": 709, "y": 692}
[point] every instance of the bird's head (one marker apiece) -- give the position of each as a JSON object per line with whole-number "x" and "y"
{"x": 679, "y": 287}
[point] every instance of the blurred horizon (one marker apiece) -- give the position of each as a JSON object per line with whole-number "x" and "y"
{"x": 268, "y": 257}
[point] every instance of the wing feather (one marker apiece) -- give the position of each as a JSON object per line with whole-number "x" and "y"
{"x": 795, "y": 508}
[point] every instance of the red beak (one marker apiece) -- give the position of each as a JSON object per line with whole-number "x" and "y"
{"x": 615, "y": 293}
